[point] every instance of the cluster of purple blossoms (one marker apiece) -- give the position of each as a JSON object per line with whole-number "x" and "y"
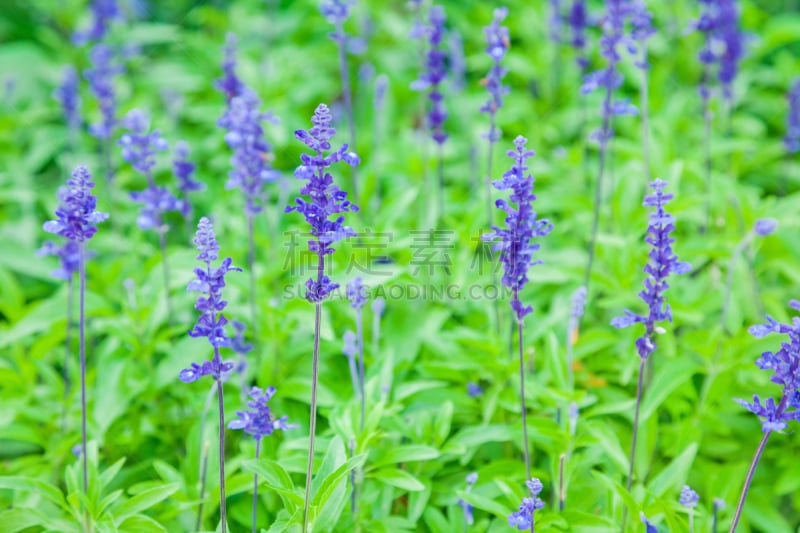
{"x": 785, "y": 365}
{"x": 663, "y": 262}
{"x": 230, "y": 84}
{"x": 139, "y": 148}
{"x": 724, "y": 43}
{"x": 245, "y": 136}
{"x": 356, "y": 293}
{"x": 326, "y": 198}
{"x": 211, "y": 324}
{"x": 689, "y": 497}
{"x": 77, "y": 215}
{"x": 523, "y": 519}
{"x": 435, "y": 74}
{"x": 792, "y": 139}
{"x": 184, "y": 170}
{"x": 240, "y": 346}
{"x": 258, "y": 420}
{"x": 336, "y": 12}
{"x": 68, "y": 96}
{"x": 497, "y": 44}
{"x": 101, "y": 83}
{"x": 68, "y": 255}
{"x": 104, "y": 12}
{"x": 578, "y": 20}
{"x": 618, "y": 14}
{"x": 515, "y": 246}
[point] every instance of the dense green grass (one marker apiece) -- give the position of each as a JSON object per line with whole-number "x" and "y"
{"x": 423, "y": 433}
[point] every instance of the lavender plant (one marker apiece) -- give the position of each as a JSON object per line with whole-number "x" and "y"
{"x": 724, "y": 47}
{"x": 431, "y": 79}
{"x": 689, "y": 499}
{"x": 575, "y": 314}
{"x": 139, "y": 148}
{"x": 211, "y": 324}
{"x": 357, "y": 297}
{"x": 326, "y": 200}
{"x": 337, "y": 12}
{"x": 578, "y": 20}
{"x": 68, "y": 96}
{"x": 785, "y": 367}
{"x": 497, "y": 45}
{"x": 101, "y": 84}
{"x": 524, "y": 518}
{"x": 609, "y": 79}
{"x": 76, "y": 220}
{"x": 251, "y": 169}
{"x": 104, "y": 13}
{"x": 260, "y": 422}
{"x": 516, "y": 252}
{"x": 661, "y": 264}
{"x": 184, "y": 171}
{"x": 791, "y": 141}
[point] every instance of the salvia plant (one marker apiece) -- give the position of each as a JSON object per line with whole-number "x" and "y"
{"x": 209, "y": 282}
{"x": 689, "y": 499}
{"x": 76, "y": 220}
{"x": 516, "y": 247}
{"x": 326, "y": 200}
{"x": 497, "y": 45}
{"x": 524, "y": 518}
{"x": 791, "y": 140}
{"x": 358, "y": 298}
{"x": 259, "y": 421}
{"x": 578, "y": 19}
{"x": 68, "y": 95}
{"x": 139, "y": 148}
{"x": 785, "y": 367}
{"x": 101, "y": 83}
{"x": 469, "y": 519}
{"x": 103, "y": 14}
{"x": 661, "y": 264}
{"x": 184, "y": 170}
{"x": 431, "y": 80}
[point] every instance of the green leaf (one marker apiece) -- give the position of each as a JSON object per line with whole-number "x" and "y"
{"x": 274, "y": 477}
{"x": 619, "y": 490}
{"x": 436, "y": 521}
{"x": 18, "y": 519}
{"x": 674, "y": 475}
{"x": 143, "y": 500}
{"x": 398, "y": 478}
{"x": 140, "y": 524}
{"x": 405, "y": 454}
{"x": 37, "y": 486}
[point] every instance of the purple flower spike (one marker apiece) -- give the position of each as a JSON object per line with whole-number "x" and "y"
{"x": 211, "y": 324}
{"x": 77, "y": 215}
{"x": 68, "y": 255}
{"x": 68, "y": 96}
{"x": 792, "y": 139}
{"x": 663, "y": 262}
{"x": 184, "y": 171}
{"x": 139, "y": 148}
{"x": 356, "y": 293}
{"x": 515, "y": 246}
{"x": 578, "y": 21}
{"x": 785, "y": 366}
{"x": 101, "y": 83}
{"x": 251, "y": 152}
{"x": 497, "y": 44}
{"x": 337, "y": 12}
{"x": 259, "y": 421}
{"x": 435, "y": 74}
{"x": 230, "y": 84}
{"x": 326, "y": 198}
{"x": 523, "y": 518}
{"x": 724, "y": 43}
{"x": 472, "y": 478}
{"x": 689, "y": 498}
{"x": 104, "y": 12}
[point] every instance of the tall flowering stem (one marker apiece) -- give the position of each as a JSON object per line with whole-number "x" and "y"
{"x": 76, "y": 221}
{"x": 68, "y": 96}
{"x": 785, "y": 367}
{"x": 183, "y": 169}
{"x": 337, "y": 12}
{"x": 689, "y": 499}
{"x": 357, "y": 297}
{"x": 101, "y": 83}
{"x": 524, "y": 518}
{"x": 661, "y": 264}
{"x": 431, "y": 79}
{"x": 326, "y": 199}
{"x": 259, "y": 421}
{"x": 252, "y": 154}
{"x": 609, "y": 78}
{"x": 210, "y": 281}
{"x": 139, "y": 148}
{"x": 516, "y": 247}
{"x": 497, "y": 45}
{"x": 724, "y": 47}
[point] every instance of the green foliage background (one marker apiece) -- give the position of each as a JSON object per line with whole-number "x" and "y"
{"x": 424, "y": 434}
